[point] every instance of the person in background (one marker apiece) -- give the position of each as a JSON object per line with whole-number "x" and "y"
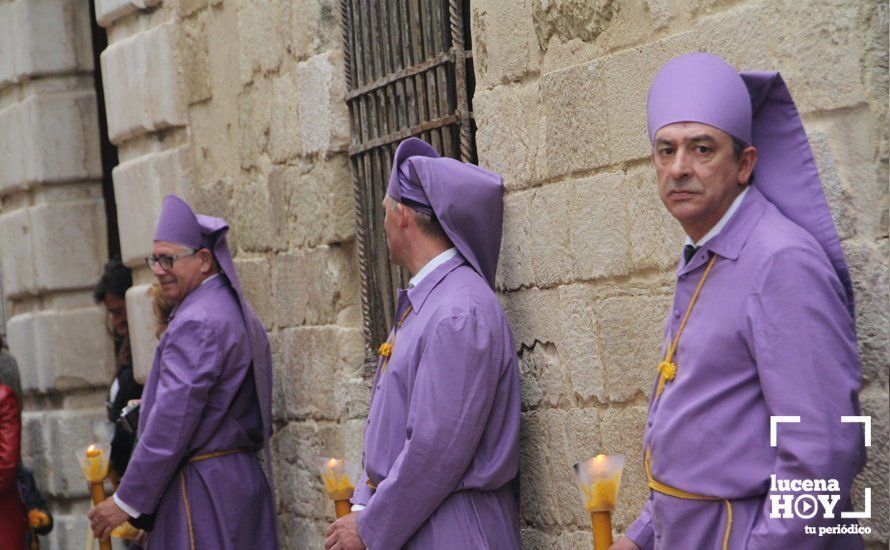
{"x": 110, "y": 291}
{"x": 13, "y": 524}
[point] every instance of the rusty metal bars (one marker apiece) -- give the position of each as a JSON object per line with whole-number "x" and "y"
{"x": 407, "y": 69}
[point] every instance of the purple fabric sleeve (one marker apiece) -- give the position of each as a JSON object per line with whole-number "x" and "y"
{"x": 450, "y": 403}
{"x": 808, "y": 364}
{"x": 640, "y": 531}
{"x": 189, "y": 367}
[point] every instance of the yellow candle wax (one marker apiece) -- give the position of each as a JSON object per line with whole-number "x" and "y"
{"x": 337, "y": 484}
{"x": 95, "y": 467}
{"x": 603, "y": 494}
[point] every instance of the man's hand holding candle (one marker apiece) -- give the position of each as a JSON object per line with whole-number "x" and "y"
{"x": 343, "y": 535}
{"x": 104, "y": 517}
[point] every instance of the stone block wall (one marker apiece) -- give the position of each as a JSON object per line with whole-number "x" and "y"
{"x": 53, "y": 242}
{"x": 560, "y": 108}
{"x": 238, "y": 106}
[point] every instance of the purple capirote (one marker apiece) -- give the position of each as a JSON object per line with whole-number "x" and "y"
{"x": 755, "y": 108}
{"x": 467, "y": 200}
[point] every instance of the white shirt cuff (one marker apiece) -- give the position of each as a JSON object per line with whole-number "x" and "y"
{"x": 358, "y": 507}
{"x": 125, "y": 507}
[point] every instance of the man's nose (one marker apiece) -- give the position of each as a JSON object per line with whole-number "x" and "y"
{"x": 680, "y": 166}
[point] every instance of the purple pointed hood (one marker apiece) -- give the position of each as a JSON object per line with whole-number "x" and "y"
{"x": 179, "y": 224}
{"x": 467, "y": 200}
{"x": 757, "y": 109}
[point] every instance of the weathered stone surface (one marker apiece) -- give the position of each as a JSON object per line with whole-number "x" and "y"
{"x": 316, "y": 287}
{"x": 255, "y": 275}
{"x": 578, "y": 349}
{"x": 875, "y": 404}
{"x": 507, "y": 135}
{"x": 50, "y": 138}
{"x": 317, "y": 361}
{"x": 108, "y": 11}
{"x": 38, "y": 260}
{"x": 544, "y": 380}
{"x": 17, "y": 252}
{"x": 268, "y": 231}
{"x": 76, "y": 261}
{"x": 143, "y": 92}
{"x": 196, "y": 64}
{"x": 143, "y": 329}
{"x": 69, "y": 531}
{"x": 284, "y": 131}
{"x": 320, "y": 186}
{"x": 524, "y": 310}
{"x": 42, "y": 37}
{"x": 627, "y": 77}
{"x": 315, "y": 28}
{"x": 505, "y": 47}
{"x": 656, "y": 238}
{"x": 66, "y": 433}
{"x": 630, "y": 332}
{"x": 515, "y": 267}
{"x": 622, "y": 433}
{"x": 551, "y": 250}
{"x": 254, "y": 120}
{"x": 45, "y": 343}
{"x": 868, "y": 268}
{"x": 565, "y": 20}
{"x": 600, "y": 227}
{"x": 261, "y": 28}
{"x": 322, "y": 113}
{"x": 140, "y": 186}
{"x": 186, "y": 8}
{"x": 576, "y": 132}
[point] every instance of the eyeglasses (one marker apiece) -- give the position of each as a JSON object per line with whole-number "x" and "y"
{"x": 166, "y": 262}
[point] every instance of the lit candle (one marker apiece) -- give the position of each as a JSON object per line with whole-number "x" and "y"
{"x": 598, "y": 480}
{"x": 94, "y": 465}
{"x": 338, "y": 482}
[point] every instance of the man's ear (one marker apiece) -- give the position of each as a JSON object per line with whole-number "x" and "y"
{"x": 746, "y": 164}
{"x": 404, "y": 216}
{"x": 206, "y": 260}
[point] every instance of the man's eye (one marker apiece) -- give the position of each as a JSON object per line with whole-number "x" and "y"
{"x": 666, "y": 151}
{"x": 702, "y": 150}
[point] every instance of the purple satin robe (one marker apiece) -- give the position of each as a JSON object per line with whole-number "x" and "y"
{"x": 442, "y": 438}
{"x": 770, "y": 334}
{"x": 200, "y": 397}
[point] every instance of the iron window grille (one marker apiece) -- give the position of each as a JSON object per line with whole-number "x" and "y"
{"x": 408, "y": 73}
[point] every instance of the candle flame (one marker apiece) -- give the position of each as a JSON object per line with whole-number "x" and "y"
{"x": 92, "y": 451}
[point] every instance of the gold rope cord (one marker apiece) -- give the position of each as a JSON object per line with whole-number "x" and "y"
{"x": 393, "y": 343}
{"x": 667, "y": 370}
{"x": 660, "y": 487}
{"x": 188, "y": 512}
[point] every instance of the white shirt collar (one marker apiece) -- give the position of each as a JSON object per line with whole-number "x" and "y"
{"x": 722, "y": 223}
{"x": 214, "y": 276}
{"x": 431, "y": 265}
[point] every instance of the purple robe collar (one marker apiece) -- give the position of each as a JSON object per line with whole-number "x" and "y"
{"x": 467, "y": 200}
{"x": 418, "y": 294}
{"x": 730, "y": 241}
{"x": 757, "y": 109}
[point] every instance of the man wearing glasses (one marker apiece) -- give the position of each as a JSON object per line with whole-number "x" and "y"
{"x": 194, "y": 477}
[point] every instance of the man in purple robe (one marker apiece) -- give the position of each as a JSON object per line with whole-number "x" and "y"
{"x": 762, "y": 325}
{"x": 441, "y": 451}
{"x": 206, "y": 407}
